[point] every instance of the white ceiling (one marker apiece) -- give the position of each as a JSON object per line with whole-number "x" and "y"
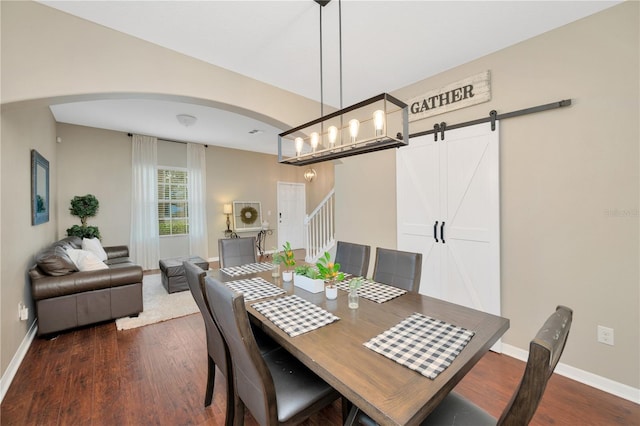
{"x": 277, "y": 42}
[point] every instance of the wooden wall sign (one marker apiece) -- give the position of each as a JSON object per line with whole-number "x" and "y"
{"x": 461, "y": 94}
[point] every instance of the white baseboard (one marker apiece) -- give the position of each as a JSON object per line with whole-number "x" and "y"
{"x": 607, "y": 385}
{"x": 13, "y": 366}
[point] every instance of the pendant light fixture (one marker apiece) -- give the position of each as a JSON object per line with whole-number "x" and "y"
{"x": 378, "y": 123}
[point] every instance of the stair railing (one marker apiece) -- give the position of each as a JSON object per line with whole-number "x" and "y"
{"x": 320, "y": 228}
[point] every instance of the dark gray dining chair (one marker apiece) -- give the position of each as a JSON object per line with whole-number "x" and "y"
{"x": 217, "y": 351}
{"x": 544, "y": 353}
{"x": 275, "y": 387}
{"x": 398, "y": 268}
{"x": 353, "y": 258}
{"x": 237, "y": 251}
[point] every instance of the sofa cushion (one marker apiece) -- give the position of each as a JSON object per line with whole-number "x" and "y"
{"x": 54, "y": 261}
{"x": 73, "y": 242}
{"x": 94, "y": 246}
{"x": 85, "y": 260}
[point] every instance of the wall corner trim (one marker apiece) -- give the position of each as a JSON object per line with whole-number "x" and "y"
{"x": 606, "y": 385}
{"x": 13, "y": 366}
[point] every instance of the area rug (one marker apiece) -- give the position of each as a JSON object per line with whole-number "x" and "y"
{"x": 159, "y": 305}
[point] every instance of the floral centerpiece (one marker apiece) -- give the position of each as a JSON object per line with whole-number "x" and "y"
{"x": 287, "y": 258}
{"x": 330, "y": 272}
{"x": 306, "y": 277}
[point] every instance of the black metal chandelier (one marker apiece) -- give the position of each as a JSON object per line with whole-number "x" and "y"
{"x": 378, "y": 123}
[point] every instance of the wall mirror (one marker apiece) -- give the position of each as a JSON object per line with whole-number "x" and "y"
{"x": 39, "y": 188}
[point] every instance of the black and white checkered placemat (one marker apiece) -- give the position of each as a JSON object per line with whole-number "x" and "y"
{"x": 294, "y": 315}
{"x": 375, "y": 291}
{"x": 249, "y": 268}
{"x": 421, "y": 343}
{"x": 255, "y": 288}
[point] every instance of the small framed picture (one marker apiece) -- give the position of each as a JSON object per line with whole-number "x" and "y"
{"x": 247, "y": 216}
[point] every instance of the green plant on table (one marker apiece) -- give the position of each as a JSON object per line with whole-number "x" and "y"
{"x": 355, "y": 283}
{"x": 308, "y": 271}
{"x": 286, "y": 256}
{"x": 328, "y": 270}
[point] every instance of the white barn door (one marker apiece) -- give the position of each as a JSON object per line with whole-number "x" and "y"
{"x": 449, "y": 210}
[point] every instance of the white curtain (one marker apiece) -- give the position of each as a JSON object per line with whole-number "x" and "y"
{"x": 197, "y": 170}
{"x": 144, "y": 243}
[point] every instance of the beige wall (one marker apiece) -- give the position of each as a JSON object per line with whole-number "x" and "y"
{"x": 564, "y": 173}
{"x": 98, "y": 162}
{"x": 23, "y": 129}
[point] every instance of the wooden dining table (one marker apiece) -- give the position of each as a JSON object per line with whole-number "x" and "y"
{"x": 388, "y": 392}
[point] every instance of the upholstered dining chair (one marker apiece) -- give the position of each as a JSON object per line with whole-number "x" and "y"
{"x": 398, "y": 268}
{"x": 236, "y": 251}
{"x": 353, "y": 258}
{"x": 544, "y": 353}
{"x": 217, "y": 351}
{"x": 275, "y": 387}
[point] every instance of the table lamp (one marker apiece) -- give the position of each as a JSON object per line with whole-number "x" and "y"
{"x": 228, "y": 210}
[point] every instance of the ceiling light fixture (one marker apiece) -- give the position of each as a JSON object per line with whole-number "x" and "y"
{"x": 378, "y": 123}
{"x": 310, "y": 175}
{"x": 186, "y": 120}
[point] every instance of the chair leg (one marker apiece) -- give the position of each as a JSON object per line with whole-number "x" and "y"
{"x": 232, "y": 411}
{"x": 351, "y": 418}
{"x": 211, "y": 380}
{"x": 346, "y": 407}
{"x": 238, "y": 410}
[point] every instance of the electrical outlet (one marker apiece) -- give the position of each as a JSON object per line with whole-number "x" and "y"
{"x": 23, "y": 312}
{"x": 605, "y": 335}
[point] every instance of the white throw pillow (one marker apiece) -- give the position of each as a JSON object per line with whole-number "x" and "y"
{"x": 86, "y": 260}
{"x": 94, "y": 246}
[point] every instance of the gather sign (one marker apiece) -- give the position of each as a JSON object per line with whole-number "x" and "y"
{"x": 461, "y": 94}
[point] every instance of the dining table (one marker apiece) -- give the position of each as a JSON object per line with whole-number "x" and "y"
{"x": 390, "y": 393}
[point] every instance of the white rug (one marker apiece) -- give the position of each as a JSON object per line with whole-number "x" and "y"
{"x": 159, "y": 305}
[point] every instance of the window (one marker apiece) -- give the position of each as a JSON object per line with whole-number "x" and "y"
{"x": 173, "y": 202}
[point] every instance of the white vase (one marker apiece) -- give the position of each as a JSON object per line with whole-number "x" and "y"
{"x": 331, "y": 292}
{"x": 287, "y": 276}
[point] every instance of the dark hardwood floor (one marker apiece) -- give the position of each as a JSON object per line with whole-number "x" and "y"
{"x": 155, "y": 375}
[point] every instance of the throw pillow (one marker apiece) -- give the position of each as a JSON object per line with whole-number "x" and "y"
{"x": 86, "y": 260}
{"x": 54, "y": 261}
{"x": 94, "y": 246}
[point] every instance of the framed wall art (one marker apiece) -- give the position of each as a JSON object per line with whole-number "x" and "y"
{"x": 39, "y": 188}
{"x": 247, "y": 216}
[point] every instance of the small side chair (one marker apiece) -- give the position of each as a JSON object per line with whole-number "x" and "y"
{"x": 400, "y": 269}
{"x": 276, "y": 387}
{"x": 217, "y": 350}
{"x": 237, "y": 251}
{"x": 353, "y": 258}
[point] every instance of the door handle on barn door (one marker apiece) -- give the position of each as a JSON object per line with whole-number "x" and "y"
{"x": 442, "y": 232}
{"x": 435, "y": 231}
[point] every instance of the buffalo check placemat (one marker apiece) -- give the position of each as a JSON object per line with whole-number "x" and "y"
{"x": 294, "y": 315}
{"x": 255, "y": 288}
{"x": 249, "y": 268}
{"x": 421, "y": 343}
{"x": 374, "y": 291}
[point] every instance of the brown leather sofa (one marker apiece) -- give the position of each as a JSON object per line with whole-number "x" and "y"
{"x": 66, "y": 298}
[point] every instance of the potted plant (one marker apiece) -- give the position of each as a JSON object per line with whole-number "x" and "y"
{"x": 287, "y": 258}
{"x": 330, "y": 272}
{"x": 84, "y": 207}
{"x": 307, "y": 278}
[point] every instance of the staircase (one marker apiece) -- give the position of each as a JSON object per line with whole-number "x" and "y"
{"x": 319, "y": 229}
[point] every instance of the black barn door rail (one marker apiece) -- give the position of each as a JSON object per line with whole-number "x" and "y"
{"x": 493, "y": 116}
